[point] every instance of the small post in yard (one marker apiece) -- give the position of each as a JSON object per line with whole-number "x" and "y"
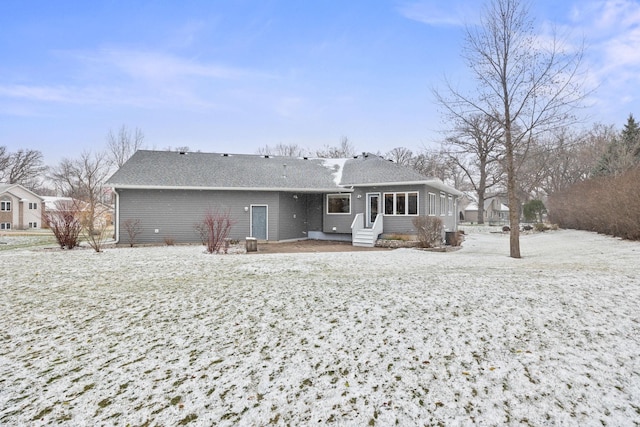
{"x": 251, "y": 244}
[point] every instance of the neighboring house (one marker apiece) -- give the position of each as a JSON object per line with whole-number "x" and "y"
{"x": 495, "y": 212}
{"x": 103, "y": 213}
{"x": 20, "y": 208}
{"x": 275, "y": 198}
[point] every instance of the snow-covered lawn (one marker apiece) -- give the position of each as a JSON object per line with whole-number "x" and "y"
{"x": 171, "y": 335}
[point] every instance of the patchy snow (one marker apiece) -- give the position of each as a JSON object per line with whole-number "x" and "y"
{"x": 336, "y": 166}
{"x": 172, "y": 335}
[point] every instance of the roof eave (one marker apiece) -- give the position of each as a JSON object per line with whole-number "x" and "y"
{"x": 433, "y": 183}
{"x": 192, "y": 187}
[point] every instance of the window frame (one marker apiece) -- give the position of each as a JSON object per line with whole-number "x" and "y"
{"x": 5, "y": 205}
{"x": 396, "y": 210}
{"x": 443, "y": 204}
{"x": 5, "y": 226}
{"x": 339, "y": 195}
{"x": 432, "y": 204}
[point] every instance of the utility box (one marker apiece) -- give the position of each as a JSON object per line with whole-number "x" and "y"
{"x": 251, "y": 244}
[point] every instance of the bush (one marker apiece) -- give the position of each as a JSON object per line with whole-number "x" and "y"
{"x": 65, "y": 223}
{"x": 133, "y": 230}
{"x": 214, "y": 230}
{"x": 534, "y": 210}
{"x": 430, "y": 231}
{"x": 607, "y": 205}
{"x": 539, "y": 226}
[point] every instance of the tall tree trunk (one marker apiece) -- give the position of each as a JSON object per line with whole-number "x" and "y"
{"x": 514, "y": 210}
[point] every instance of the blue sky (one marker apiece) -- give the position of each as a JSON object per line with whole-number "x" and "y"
{"x": 234, "y": 76}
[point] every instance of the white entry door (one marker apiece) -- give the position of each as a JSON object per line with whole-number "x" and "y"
{"x": 373, "y": 208}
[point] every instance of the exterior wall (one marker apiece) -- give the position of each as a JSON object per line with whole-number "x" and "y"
{"x": 314, "y": 211}
{"x": 6, "y": 217}
{"x": 293, "y": 216}
{"x": 341, "y": 223}
{"x": 393, "y": 224}
{"x": 174, "y": 213}
{"x": 21, "y": 215}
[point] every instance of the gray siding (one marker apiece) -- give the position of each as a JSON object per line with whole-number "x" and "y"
{"x": 314, "y": 211}
{"x": 293, "y": 216}
{"x": 174, "y": 213}
{"x": 401, "y": 224}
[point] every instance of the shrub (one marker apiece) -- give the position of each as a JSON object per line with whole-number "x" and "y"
{"x": 169, "y": 241}
{"x": 607, "y": 205}
{"x": 539, "y": 226}
{"x": 133, "y": 229}
{"x": 534, "y": 210}
{"x": 65, "y": 223}
{"x": 429, "y": 231}
{"x": 214, "y": 230}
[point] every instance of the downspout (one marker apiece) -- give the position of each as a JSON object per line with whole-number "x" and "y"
{"x": 116, "y": 216}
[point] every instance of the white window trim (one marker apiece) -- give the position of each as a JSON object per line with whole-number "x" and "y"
{"x": 5, "y": 226}
{"x": 431, "y": 207}
{"x": 4, "y": 204}
{"x": 340, "y": 195}
{"x": 406, "y": 203}
{"x": 443, "y": 204}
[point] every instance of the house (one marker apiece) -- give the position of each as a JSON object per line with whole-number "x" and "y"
{"x": 274, "y": 198}
{"x": 495, "y": 211}
{"x": 102, "y": 214}
{"x": 20, "y": 208}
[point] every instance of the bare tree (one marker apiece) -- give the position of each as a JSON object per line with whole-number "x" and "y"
{"x": 4, "y": 161}
{"x": 288, "y": 150}
{"x": 526, "y": 83}
{"x": 122, "y": 145}
{"x": 25, "y": 167}
{"x": 344, "y": 150}
{"x": 473, "y": 148}
{"x": 400, "y": 155}
{"x": 82, "y": 179}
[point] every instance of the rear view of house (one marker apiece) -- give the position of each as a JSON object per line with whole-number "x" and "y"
{"x": 20, "y": 208}
{"x": 274, "y": 198}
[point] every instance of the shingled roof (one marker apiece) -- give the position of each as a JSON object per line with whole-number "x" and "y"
{"x": 195, "y": 170}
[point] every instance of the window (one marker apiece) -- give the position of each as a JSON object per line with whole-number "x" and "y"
{"x": 5, "y": 226}
{"x": 339, "y": 203}
{"x": 5, "y": 206}
{"x": 432, "y": 204}
{"x": 33, "y": 206}
{"x": 401, "y": 203}
{"x": 33, "y": 225}
{"x": 450, "y": 205}
{"x": 443, "y": 204}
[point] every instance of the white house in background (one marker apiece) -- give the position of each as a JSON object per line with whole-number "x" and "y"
{"x": 20, "y": 208}
{"x": 495, "y": 211}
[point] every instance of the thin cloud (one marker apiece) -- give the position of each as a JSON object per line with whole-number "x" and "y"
{"x": 438, "y": 13}
{"x": 613, "y": 36}
{"x": 146, "y": 79}
{"x": 159, "y": 66}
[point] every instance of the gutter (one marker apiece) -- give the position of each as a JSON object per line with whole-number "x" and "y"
{"x": 191, "y": 187}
